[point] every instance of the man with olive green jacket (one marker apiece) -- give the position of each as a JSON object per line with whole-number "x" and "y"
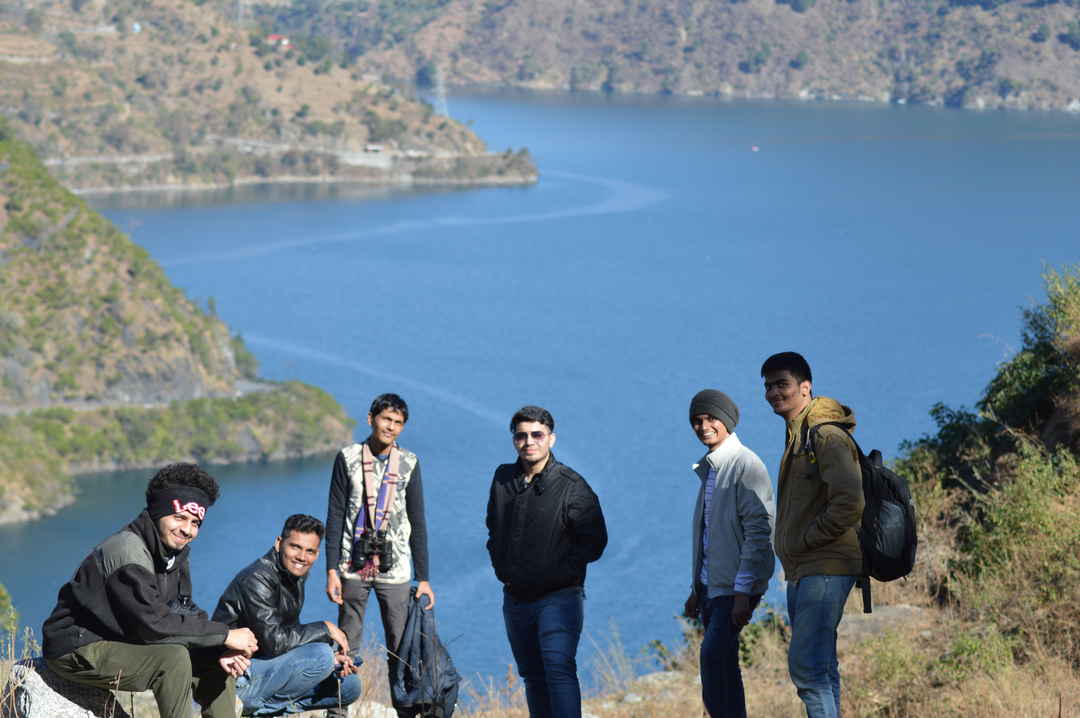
{"x": 818, "y": 512}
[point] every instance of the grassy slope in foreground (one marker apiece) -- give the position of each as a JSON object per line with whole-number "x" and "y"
{"x": 105, "y": 364}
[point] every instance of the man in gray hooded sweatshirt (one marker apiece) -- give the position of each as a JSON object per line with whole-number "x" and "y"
{"x": 732, "y": 549}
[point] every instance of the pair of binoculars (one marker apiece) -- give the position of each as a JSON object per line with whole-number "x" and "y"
{"x": 370, "y": 545}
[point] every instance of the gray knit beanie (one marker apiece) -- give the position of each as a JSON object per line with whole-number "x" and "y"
{"x": 715, "y": 403}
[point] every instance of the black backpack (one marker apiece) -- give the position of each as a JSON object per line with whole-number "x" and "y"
{"x": 887, "y": 533}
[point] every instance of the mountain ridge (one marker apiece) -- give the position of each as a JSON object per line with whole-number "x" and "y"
{"x": 976, "y": 55}
{"x": 170, "y": 93}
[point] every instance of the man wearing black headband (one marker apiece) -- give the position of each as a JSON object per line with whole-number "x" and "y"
{"x": 126, "y": 619}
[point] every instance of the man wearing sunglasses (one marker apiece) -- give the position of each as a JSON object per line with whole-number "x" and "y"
{"x": 544, "y": 525}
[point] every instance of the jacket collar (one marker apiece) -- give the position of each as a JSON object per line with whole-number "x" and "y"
{"x": 144, "y": 527}
{"x": 716, "y": 458}
{"x": 820, "y": 409}
{"x": 273, "y": 558}
{"x": 544, "y": 473}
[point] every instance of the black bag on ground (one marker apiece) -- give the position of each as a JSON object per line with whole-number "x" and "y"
{"x": 424, "y": 681}
{"x": 887, "y": 533}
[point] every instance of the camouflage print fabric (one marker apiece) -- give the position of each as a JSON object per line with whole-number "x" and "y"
{"x": 399, "y": 529}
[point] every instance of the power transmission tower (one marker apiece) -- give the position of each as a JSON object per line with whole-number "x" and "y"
{"x": 440, "y": 92}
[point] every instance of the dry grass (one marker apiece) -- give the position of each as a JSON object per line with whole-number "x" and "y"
{"x": 918, "y": 668}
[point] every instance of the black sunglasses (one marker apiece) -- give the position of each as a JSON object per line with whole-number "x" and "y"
{"x": 523, "y": 435}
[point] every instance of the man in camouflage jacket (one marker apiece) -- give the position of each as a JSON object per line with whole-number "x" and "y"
{"x": 376, "y": 533}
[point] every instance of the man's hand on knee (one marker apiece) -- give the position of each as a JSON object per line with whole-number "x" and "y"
{"x": 338, "y": 637}
{"x": 345, "y": 665}
{"x": 234, "y": 663}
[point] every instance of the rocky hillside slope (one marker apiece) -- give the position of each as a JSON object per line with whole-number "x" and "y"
{"x": 965, "y": 53}
{"x": 145, "y": 93}
{"x": 104, "y": 364}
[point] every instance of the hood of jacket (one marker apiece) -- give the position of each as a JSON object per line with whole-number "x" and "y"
{"x": 820, "y": 410}
{"x": 146, "y": 528}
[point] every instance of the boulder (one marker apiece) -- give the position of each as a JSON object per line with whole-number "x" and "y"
{"x": 34, "y": 691}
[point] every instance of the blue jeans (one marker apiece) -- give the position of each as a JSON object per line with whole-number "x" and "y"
{"x": 544, "y": 637}
{"x": 721, "y": 680}
{"x": 302, "y": 679}
{"x": 815, "y": 605}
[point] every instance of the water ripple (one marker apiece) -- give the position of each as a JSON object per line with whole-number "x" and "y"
{"x": 623, "y": 197}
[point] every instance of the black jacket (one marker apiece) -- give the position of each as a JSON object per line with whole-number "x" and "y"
{"x": 267, "y": 599}
{"x": 423, "y": 680}
{"x": 127, "y": 590}
{"x": 541, "y": 535}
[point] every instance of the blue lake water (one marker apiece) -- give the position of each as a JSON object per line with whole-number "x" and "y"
{"x": 659, "y": 254}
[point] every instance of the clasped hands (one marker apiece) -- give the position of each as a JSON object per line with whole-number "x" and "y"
{"x": 240, "y": 645}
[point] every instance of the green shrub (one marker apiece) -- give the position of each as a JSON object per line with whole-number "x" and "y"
{"x": 756, "y": 62}
{"x": 1071, "y": 36}
{"x": 771, "y": 624}
{"x": 246, "y": 362}
{"x": 34, "y": 20}
{"x": 9, "y": 617}
{"x": 1022, "y": 393}
{"x": 984, "y": 651}
{"x": 1021, "y": 396}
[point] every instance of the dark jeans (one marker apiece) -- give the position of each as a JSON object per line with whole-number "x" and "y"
{"x": 302, "y": 679}
{"x": 170, "y": 670}
{"x": 721, "y": 679}
{"x": 544, "y": 637}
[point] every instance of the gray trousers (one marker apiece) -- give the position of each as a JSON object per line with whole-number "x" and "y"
{"x": 168, "y": 669}
{"x": 393, "y": 606}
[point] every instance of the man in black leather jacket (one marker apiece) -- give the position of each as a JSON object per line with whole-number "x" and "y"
{"x": 544, "y": 525}
{"x": 299, "y": 666}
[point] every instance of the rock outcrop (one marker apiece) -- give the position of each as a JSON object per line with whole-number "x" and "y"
{"x": 34, "y": 691}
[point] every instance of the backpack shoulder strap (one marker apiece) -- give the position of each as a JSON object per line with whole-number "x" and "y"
{"x": 864, "y": 580}
{"x": 808, "y": 442}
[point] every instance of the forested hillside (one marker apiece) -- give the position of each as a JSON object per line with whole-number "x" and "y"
{"x": 117, "y": 94}
{"x": 964, "y": 53}
{"x": 105, "y": 364}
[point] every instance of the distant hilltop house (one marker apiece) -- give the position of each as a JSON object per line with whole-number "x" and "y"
{"x": 278, "y": 41}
